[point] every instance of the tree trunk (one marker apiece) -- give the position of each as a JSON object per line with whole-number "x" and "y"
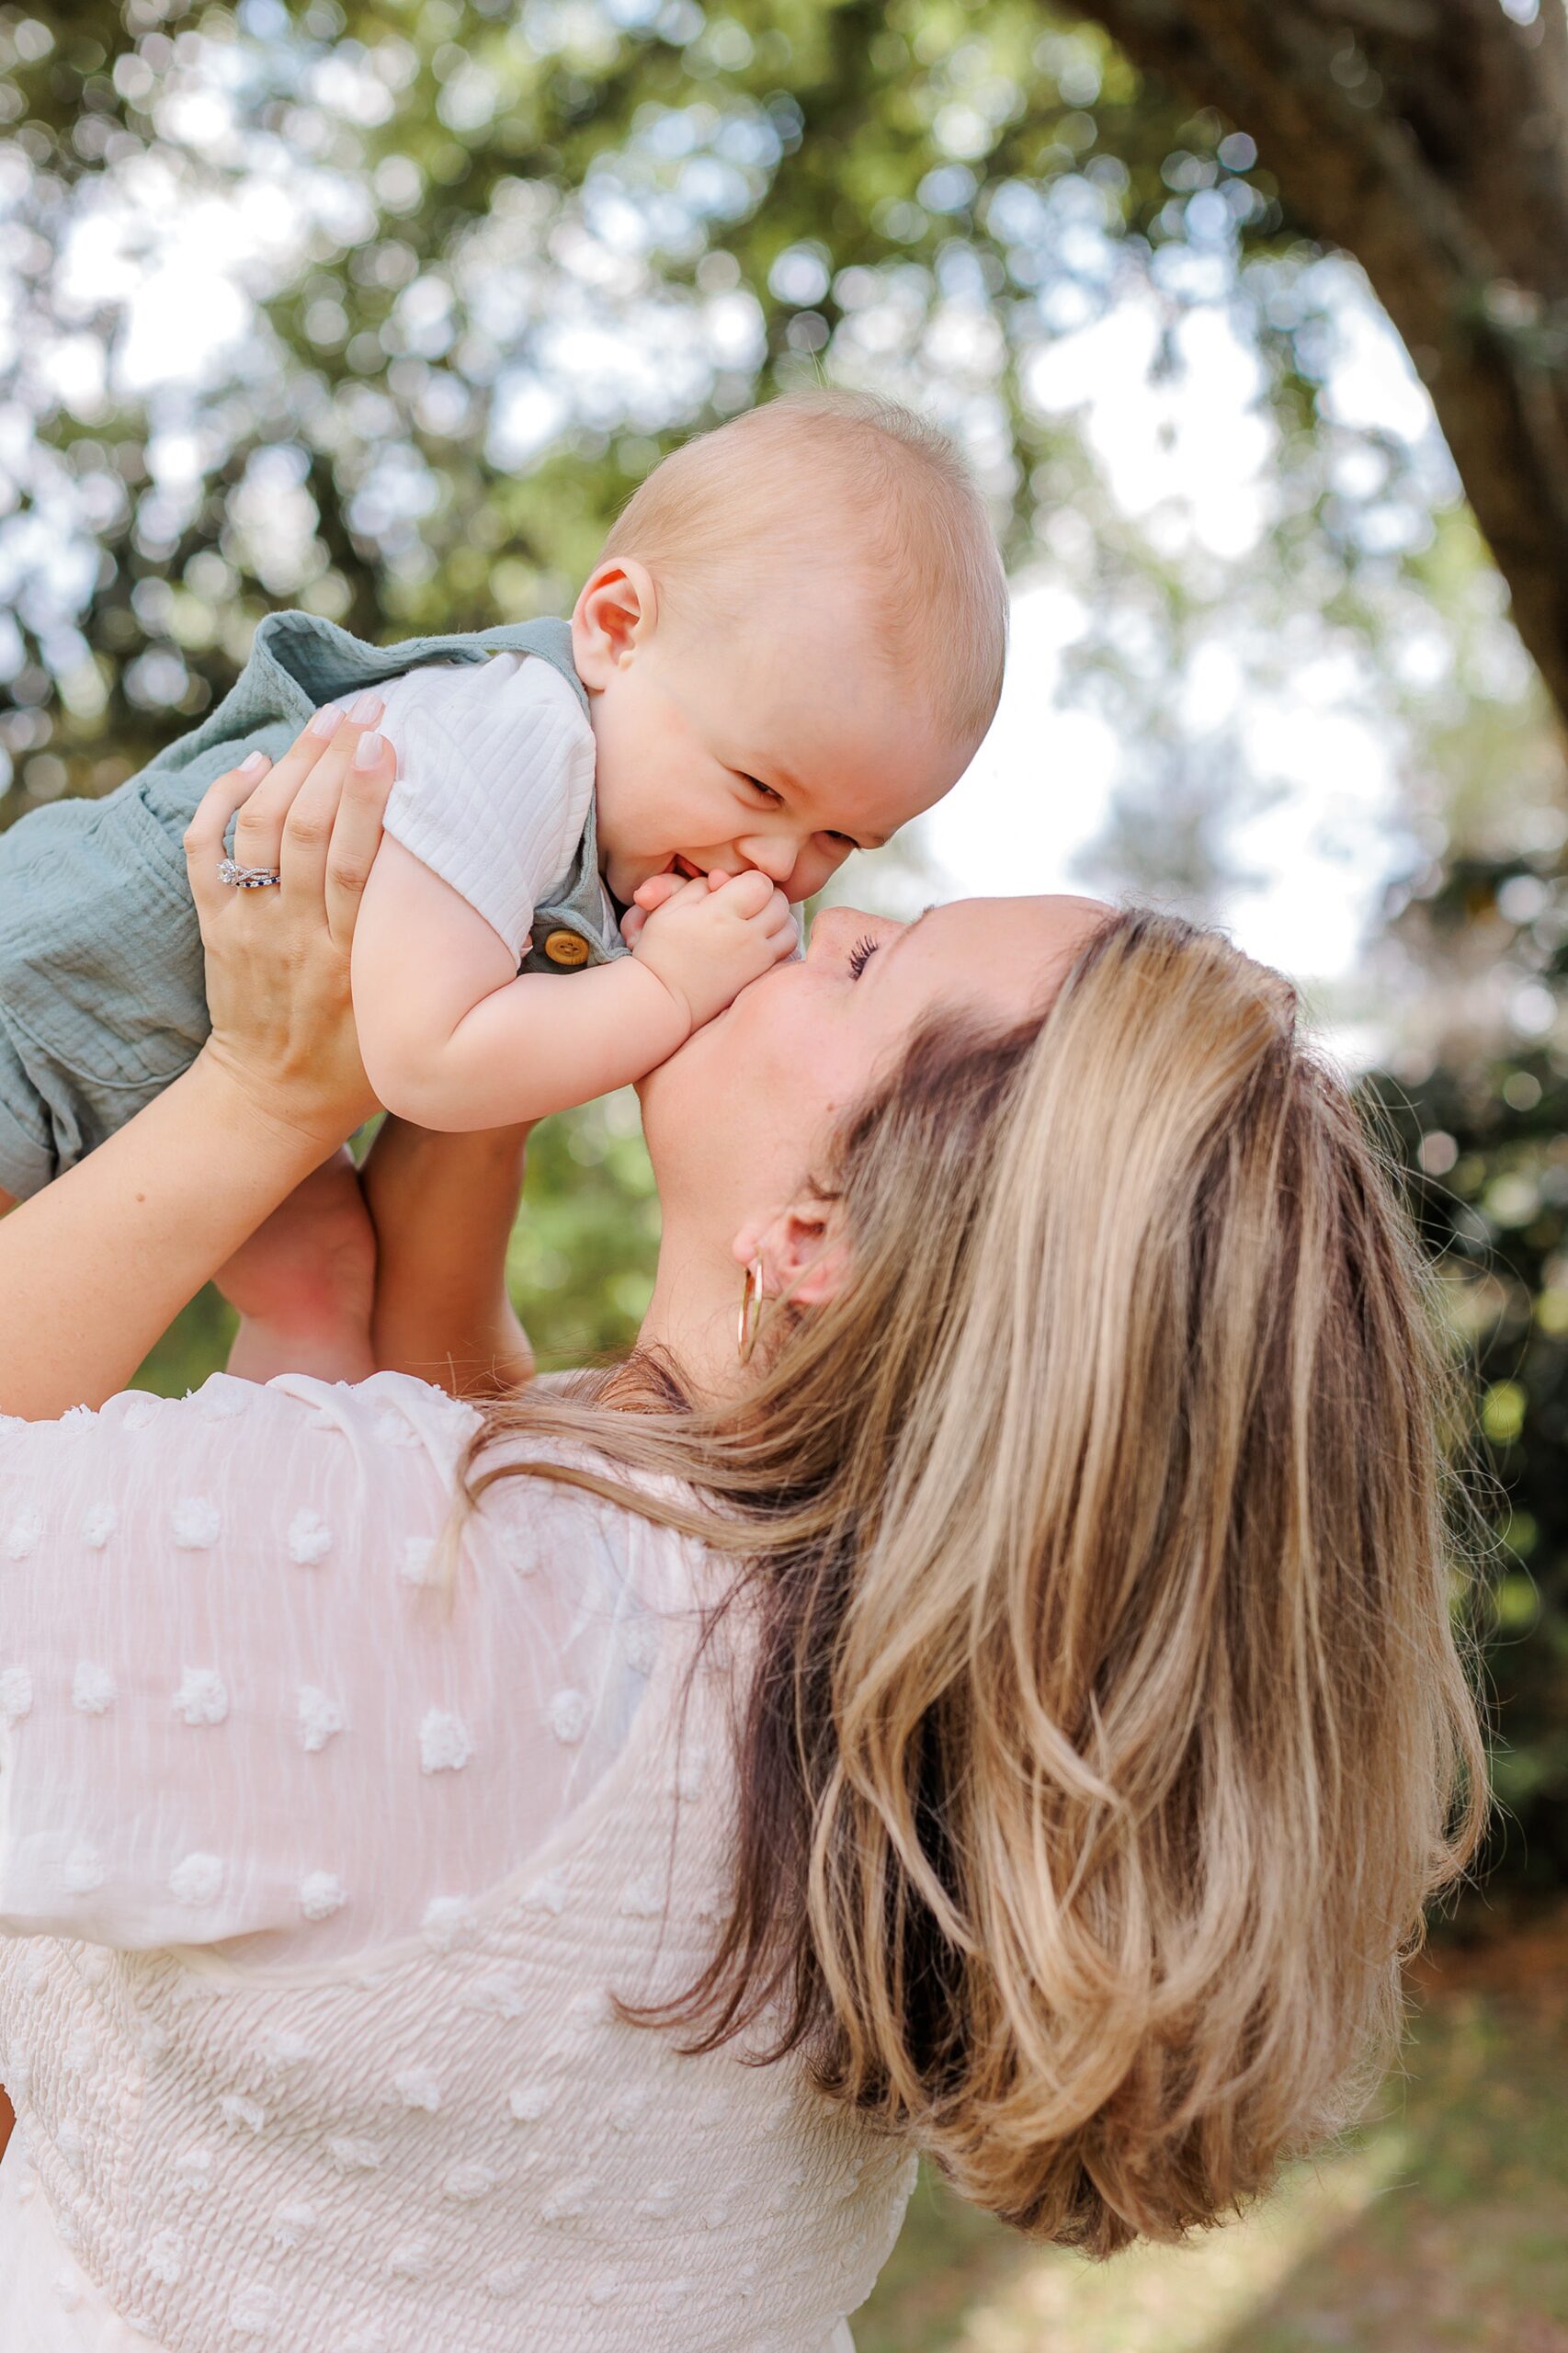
{"x": 1429, "y": 139}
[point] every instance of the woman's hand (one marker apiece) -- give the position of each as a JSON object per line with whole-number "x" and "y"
{"x": 278, "y": 957}
{"x": 96, "y": 1266}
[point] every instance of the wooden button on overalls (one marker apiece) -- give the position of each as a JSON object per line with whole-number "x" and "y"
{"x": 568, "y": 947}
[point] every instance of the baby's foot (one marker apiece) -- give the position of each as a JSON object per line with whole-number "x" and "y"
{"x": 305, "y": 1283}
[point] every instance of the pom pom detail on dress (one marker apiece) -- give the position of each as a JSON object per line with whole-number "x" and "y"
{"x": 202, "y": 1696}
{"x": 93, "y": 1689}
{"x": 445, "y": 1744}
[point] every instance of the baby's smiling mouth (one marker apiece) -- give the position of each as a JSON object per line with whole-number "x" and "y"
{"x": 684, "y": 867}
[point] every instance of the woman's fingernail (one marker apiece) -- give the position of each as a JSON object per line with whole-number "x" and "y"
{"x": 366, "y": 709}
{"x": 328, "y": 721}
{"x": 254, "y": 766}
{"x": 368, "y": 751}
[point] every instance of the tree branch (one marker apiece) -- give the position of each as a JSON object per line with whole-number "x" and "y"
{"x": 1432, "y": 143}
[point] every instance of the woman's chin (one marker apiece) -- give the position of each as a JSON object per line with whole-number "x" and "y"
{"x": 721, "y": 1044}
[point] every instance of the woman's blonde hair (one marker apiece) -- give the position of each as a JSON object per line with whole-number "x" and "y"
{"x": 1109, "y": 1733}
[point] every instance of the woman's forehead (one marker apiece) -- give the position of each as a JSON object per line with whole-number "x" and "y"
{"x": 1046, "y": 930}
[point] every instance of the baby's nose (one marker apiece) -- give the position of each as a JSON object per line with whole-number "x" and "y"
{"x": 772, "y": 855}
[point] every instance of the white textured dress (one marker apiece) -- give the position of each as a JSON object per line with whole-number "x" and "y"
{"x": 317, "y": 1871}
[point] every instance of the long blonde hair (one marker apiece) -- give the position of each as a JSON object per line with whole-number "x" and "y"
{"x": 1108, "y": 1732}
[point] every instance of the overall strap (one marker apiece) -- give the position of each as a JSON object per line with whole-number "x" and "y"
{"x": 326, "y": 660}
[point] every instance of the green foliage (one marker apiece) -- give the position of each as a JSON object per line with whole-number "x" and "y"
{"x": 1484, "y": 1128}
{"x": 581, "y": 1260}
{"x": 456, "y": 202}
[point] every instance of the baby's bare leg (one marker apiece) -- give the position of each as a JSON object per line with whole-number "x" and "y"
{"x": 304, "y": 1282}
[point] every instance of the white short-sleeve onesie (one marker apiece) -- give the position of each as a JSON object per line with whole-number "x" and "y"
{"x": 495, "y": 778}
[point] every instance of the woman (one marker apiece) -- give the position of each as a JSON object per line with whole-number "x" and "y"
{"x": 1002, "y": 1687}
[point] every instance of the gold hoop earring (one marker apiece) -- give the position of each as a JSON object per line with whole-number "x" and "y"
{"x": 751, "y": 1309}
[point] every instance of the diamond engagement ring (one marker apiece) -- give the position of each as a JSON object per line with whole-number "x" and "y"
{"x": 246, "y": 878}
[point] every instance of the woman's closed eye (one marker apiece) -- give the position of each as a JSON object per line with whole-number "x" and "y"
{"x": 862, "y": 954}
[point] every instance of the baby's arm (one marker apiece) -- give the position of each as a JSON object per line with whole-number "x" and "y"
{"x": 454, "y": 1037}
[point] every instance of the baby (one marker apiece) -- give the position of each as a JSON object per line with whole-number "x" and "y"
{"x": 790, "y": 645}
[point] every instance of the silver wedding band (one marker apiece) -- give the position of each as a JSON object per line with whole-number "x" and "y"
{"x": 246, "y": 878}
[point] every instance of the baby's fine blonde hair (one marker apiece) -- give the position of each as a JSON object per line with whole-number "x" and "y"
{"x": 795, "y": 482}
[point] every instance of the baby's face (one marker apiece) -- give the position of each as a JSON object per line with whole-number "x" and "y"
{"x": 783, "y": 742}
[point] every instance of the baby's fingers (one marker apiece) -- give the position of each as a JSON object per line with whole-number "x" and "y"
{"x": 655, "y": 891}
{"x": 749, "y": 891}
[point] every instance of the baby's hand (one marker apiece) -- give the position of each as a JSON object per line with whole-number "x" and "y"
{"x": 651, "y": 894}
{"x": 711, "y": 936}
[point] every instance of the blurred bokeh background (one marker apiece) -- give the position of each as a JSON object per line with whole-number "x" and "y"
{"x": 1255, "y": 329}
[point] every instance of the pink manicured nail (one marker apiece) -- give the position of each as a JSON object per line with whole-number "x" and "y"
{"x": 366, "y": 709}
{"x": 254, "y": 766}
{"x": 328, "y": 721}
{"x": 368, "y": 750}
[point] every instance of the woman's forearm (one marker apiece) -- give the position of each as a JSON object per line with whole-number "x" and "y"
{"x": 95, "y": 1268}
{"x": 443, "y": 1207}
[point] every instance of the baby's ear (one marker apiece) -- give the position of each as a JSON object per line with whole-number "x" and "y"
{"x": 614, "y": 613}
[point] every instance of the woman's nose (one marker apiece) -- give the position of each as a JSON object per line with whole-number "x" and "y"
{"x": 831, "y": 927}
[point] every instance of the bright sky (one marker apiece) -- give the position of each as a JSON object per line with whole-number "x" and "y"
{"x": 1040, "y": 789}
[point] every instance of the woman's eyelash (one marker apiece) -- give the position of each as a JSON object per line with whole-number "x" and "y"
{"x": 862, "y": 954}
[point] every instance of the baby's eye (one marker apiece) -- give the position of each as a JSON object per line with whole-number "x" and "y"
{"x": 848, "y": 840}
{"x": 772, "y": 798}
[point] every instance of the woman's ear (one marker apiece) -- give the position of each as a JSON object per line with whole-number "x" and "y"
{"x": 614, "y": 615}
{"x": 803, "y": 1253}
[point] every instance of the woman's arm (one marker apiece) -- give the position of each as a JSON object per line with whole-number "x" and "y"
{"x": 443, "y": 1208}
{"x": 96, "y": 1266}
